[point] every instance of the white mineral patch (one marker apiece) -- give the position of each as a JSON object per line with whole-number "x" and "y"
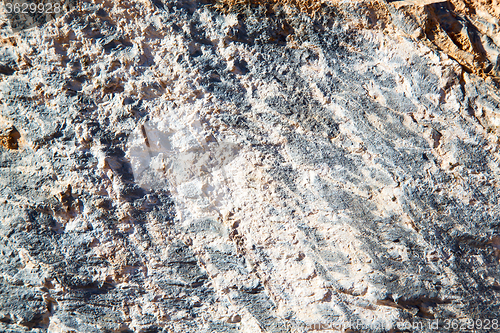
{"x": 178, "y": 158}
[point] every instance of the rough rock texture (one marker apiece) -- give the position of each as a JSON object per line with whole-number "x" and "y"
{"x": 168, "y": 168}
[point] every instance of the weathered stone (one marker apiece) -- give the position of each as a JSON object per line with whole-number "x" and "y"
{"x": 167, "y": 167}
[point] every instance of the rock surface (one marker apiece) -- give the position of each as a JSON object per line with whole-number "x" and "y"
{"x": 166, "y": 167}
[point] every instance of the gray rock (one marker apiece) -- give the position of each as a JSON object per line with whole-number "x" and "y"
{"x": 177, "y": 169}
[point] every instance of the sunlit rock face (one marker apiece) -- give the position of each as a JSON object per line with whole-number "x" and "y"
{"x": 168, "y": 168}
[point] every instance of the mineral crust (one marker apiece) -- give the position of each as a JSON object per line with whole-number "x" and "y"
{"x": 167, "y": 166}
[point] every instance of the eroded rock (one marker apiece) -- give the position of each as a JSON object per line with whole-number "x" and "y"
{"x": 186, "y": 170}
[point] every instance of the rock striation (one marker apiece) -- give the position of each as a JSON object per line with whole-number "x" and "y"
{"x": 169, "y": 167}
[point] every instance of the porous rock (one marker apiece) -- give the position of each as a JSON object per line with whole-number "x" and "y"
{"x": 167, "y": 167}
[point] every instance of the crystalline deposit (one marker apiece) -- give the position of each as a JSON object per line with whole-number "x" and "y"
{"x": 180, "y": 160}
{"x": 166, "y": 166}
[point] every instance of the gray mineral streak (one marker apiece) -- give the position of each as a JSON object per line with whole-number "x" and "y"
{"x": 167, "y": 167}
